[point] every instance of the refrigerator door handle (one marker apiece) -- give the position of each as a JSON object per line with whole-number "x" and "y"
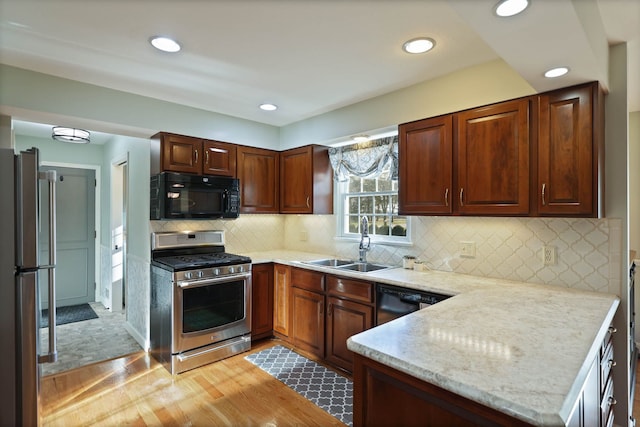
{"x": 52, "y": 355}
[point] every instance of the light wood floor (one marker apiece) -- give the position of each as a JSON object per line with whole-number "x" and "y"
{"x": 136, "y": 390}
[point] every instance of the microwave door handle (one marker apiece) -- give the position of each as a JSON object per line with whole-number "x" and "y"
{"x": 225, "y": 200}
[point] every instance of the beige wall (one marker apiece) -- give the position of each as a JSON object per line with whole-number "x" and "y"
{"x": 478, "y": 85}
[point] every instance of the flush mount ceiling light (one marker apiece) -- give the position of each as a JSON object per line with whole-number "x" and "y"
{"x": 556, "y": 72}
{"x": 75, "y": 136}
{"x": 506, "y": 8}
{"x": 418, "y": 45}
{"x": 360, "y": 138}
{"x": 268, "y": 107}
{"x": 165, "y": 44}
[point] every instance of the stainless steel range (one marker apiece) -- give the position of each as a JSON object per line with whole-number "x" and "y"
{"x": 200, "y": 300}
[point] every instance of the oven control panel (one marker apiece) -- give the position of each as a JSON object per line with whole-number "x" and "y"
{"x": 211, "y": 272}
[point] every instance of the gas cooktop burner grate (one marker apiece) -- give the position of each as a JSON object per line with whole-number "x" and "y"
{"x": 202, "y": 260}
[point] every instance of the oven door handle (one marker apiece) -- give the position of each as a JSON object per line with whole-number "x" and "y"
{"x": 195, "y": 283}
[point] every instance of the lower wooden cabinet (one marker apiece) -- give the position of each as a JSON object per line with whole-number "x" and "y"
{"x": 261, "y": 301}
{"x": 308, "y": 321}
{"x": 281, "y": 300}
{"x": 344, "y": 319}
{"x": 316, "y": 312}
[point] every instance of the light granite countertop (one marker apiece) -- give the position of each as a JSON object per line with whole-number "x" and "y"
{"x": 523, "y": 349}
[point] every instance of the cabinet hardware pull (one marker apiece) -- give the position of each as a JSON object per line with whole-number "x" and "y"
{"x": 612, "y": 330}
{"x": 206, "y": 157}
{"x": 612, "y": 400}
{"x": 446, "y": 197}
{"x": 611, "y": 363}
{"x": 330, "y": 310}
{"x": 461, "y": 193}
{"x": 196, "y": 154}
{"x": 544, "y": 187}
{"x": 308, "y": 205}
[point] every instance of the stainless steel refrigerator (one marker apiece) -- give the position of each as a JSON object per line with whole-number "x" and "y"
{"x": 33, "y": 267}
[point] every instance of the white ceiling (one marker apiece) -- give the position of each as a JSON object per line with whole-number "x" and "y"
{"x": 307, "y": 56}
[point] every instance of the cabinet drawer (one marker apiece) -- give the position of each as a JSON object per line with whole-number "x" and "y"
{"x": 307, "y": 279}
{"x": 606, "y": 363}
{"x": 606, "y": 405}
{"x": 356, "y": 290}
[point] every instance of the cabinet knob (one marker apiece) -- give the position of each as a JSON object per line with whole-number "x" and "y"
{"x": 612, "y": 400}
{"x": 612, "y": 330}
{"x": 611, "y": 363}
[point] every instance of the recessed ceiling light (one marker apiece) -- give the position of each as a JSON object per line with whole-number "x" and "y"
{"x": 418, "y": 45}
{"x": 165, "y": 44}
{"x": 556, "y": 72}
{"x": 506, "y": 8}
{"x": 268, "y": 107}
{"x": 76, "y": 136}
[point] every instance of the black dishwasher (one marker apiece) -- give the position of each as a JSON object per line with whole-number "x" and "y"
{"x": 394, "y": 301}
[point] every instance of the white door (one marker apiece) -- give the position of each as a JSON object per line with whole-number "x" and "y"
{"x": 75, "y": 226}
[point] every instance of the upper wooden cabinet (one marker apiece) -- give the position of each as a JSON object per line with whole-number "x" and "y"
{"x": 219, "y": 158}
{"x": 426, "y": 163}
{"x": 178, "y": 153}
{"x": 492, "y": 148}
{"x": 569, "y": 148}
{"x": 306, "y": 185}
{"x": 538, "y": 156}
{"x": 259, "y": 171}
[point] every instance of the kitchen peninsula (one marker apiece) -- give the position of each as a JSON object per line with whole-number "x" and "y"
{"x": 501, "y": 350}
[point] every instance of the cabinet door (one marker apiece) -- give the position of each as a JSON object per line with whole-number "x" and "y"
{"x": 426, "y": 159}
{"x": 219, "y": 158}
{"x": 296, "y": 174}
{"x": 261, "y": 301}
{"x": 281, "y": 299}
{"x": 307, "y": 328}
{"x": 306, "y": 181}
{"x": 344, "y": 319}
{"x": 493, "y": 159}
{"x": 181, "y": 154}
{"x": 566, "y": 166}
{"x": 258, "y": 171}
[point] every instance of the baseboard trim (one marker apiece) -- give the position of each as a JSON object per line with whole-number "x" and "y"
{"x": 144, "y": 343}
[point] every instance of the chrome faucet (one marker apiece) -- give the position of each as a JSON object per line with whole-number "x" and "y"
{"x": 364, "y": 233}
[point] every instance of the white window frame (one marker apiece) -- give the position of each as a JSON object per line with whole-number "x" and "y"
{"x": 341, "y": 191}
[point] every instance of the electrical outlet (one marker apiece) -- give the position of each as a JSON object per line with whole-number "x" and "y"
{"x": 304, "y": 235}
{"x": 549, "y": 256}
{"x": 468, "y": 249}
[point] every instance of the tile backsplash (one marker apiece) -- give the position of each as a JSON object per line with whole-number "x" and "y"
{"x": 588, "y": 250}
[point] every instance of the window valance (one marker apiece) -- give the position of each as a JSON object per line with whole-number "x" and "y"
{"x": 365, "y": 159}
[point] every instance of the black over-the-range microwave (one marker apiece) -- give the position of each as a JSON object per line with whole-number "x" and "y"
{"x": 184, "y": 196}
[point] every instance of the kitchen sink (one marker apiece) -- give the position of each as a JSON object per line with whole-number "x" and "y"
{"x": 330, "y": 262}
{"x": 363, "y": 267}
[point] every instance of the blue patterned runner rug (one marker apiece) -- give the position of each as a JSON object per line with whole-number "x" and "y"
{"x": 326, "y": 389}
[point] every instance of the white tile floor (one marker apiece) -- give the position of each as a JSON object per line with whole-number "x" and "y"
{"x": 89, "y": 341}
